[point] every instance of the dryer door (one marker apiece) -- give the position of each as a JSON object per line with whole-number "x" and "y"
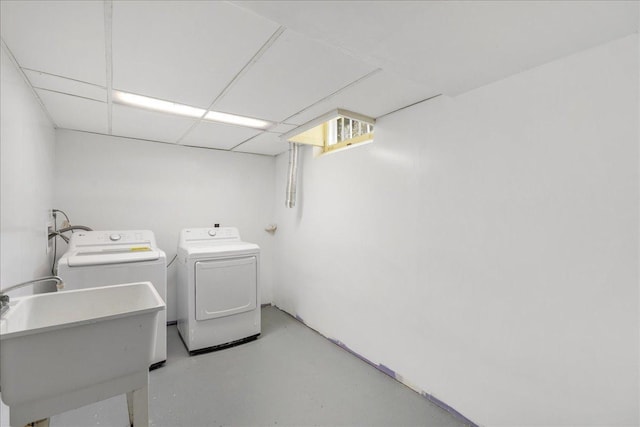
{"x": 225, "y": 287}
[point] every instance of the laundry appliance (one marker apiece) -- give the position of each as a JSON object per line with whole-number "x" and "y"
{"x": 99, "y": 258}
{"x": 218, "y": 293}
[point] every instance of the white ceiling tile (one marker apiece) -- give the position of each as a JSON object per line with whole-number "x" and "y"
{"x": 60, "y": 84}
{"x": 374, "y": 96}
{"x": 65, "y": 38}
{"x": 72, "y": 112}
{"x": 265, "y": 143}
{"x": 145, "y": 124}
{"x": 183, "y": 51}
{"x": 218, "y": 135}
{"x": 456, "y": 46}
{"x": 476, "y": 43}
{"x": 283, "y": 127}
{"x": 351, "y": 26}
{"x": 294, "y": 73}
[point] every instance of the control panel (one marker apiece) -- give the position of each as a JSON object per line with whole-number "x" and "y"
{"x": 112, "y": 238}
{"x": 213, "y": 233}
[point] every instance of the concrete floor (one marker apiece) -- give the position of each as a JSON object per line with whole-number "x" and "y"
{"x": 290, "y": 376}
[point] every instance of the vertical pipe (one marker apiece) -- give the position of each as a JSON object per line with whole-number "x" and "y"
{"x": 292, "y": 175}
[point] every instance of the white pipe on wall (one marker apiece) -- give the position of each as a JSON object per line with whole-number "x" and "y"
{"x": 292, "y": 175}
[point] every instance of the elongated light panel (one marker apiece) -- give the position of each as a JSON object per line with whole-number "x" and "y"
{"x": 186, "y": 110}
{"x": 236, "y": 120}
{"x": 157, "y": 104}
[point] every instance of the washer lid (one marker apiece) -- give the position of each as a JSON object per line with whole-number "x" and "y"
{"x": 111, "y": 255}
{"x": 111, "y": 247}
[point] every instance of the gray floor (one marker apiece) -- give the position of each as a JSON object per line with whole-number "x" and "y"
{"x": 290, "y": 376}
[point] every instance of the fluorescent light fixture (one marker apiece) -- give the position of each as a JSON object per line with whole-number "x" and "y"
{"x": 157, "y": 104}
{"x": 186, "y": 110}
{"x": 236, "y": 120}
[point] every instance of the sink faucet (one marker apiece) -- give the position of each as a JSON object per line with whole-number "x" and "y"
{"x": 4, "y": 298}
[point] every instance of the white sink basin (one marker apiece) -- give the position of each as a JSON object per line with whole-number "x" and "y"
{"x": 63, "y": 350}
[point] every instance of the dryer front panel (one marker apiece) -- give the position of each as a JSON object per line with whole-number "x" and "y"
{"x": 225, "y": 287}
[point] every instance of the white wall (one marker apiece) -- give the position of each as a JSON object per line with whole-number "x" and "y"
{"x": 27, "y": 151}
{"x": 26, "y": 185}
{"x": 116, "y": 183}
{"x": 485, "y": 247}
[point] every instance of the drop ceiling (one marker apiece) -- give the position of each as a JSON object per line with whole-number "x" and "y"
{"x": 284, "y": 62}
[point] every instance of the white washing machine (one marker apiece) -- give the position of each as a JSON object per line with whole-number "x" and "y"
{"x": 99, "y": 258}
{"x": 218, "y": 290}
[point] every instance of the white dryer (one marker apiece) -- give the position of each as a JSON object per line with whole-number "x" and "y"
{"x": 218, "y": 292}
{"x": 99, "y": 258}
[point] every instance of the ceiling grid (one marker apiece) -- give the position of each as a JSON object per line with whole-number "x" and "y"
{"x": 108, "y": 39}
{"x": 296, "y": 60}
{"x": 237, "y": 77}
{"x": 26, "y": 80}
{"x": 326, "y": 98}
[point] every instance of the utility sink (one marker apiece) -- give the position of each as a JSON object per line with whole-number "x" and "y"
{"x": 60, "y": 351}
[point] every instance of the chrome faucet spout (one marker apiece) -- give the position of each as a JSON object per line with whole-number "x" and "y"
{"x": 4, "y": 298}
{"x": 58, "y": 280}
